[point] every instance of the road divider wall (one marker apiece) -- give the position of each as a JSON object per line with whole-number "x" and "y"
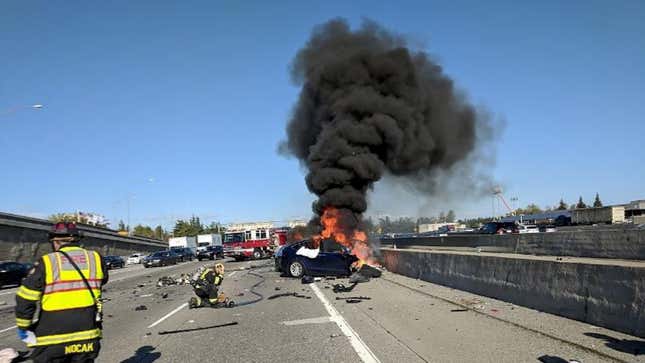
{"x": 622, "y": 243}
{"x": 603, "y": 294}
{"x": 26, "y": 239}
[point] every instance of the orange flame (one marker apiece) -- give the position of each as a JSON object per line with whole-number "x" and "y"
{"x": 355, "y": 240}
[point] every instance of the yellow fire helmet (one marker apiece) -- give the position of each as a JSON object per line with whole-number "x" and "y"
{"x": 219, "y": 266}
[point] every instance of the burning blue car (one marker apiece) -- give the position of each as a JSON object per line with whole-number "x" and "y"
{"x": 302, "y": 258}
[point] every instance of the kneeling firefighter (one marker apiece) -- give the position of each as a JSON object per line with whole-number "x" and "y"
{"x": 206, "y": 288}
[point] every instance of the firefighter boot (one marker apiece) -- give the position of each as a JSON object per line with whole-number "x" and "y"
{"x": 194, "y": 303}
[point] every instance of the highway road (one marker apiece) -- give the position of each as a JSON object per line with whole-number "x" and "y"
{"x": 405, "y": 320}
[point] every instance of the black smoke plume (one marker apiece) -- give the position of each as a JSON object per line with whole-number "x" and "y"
{"x": 370, "y": 106}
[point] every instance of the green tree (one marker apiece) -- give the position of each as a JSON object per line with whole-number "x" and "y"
{"x": 143, "y": 231}
{"x": 529, "y": 209}
{"x": 581, "y": 204}
{"x": 562, "y": 205}
{"x": 189, "y": 228}
{"x": 450, "y": 217}
{"x": 160, "y": 233}
{"x": 597, "y": 203}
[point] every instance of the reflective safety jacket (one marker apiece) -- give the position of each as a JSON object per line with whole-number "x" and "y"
{"x": 68, "y": 312}
{"x": 211, "y": 278}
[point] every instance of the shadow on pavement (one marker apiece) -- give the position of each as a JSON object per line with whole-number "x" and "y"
{"x": 635, "y": 347}
{"x": 145, "y": 354}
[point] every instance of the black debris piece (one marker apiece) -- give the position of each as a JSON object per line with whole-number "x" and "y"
{"x": 240, "y": 294}
{"x": 342, "y": 288}
{"x": 326, "y": 286}
{"x": 141, "y": 307}
{"x": 458, "y": 310}
{"x": 164, "y": 295}
{"x": 277, "y": 289}
{"x": 353, "y": 301}
{"x": 110, "y": 315}
{"x": 306, "y": 279}
{"x": 141, "y": 285}
{"x": 369, "y": 271}
{"x": 354, "y": 298}
{"x": 196, "y": 329}
{"x": 294, "y": 294}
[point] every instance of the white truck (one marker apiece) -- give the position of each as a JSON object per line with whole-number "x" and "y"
{"x": 186, "y": 242}
{"x": 610, "y": 215}
{"x": 206, "y": 240}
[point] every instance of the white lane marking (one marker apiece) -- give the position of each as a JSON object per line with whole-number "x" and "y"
{"x": 167, "y": 315}
{"x": 357, "y": 343}
{"x": 319, "y": 320}
{"x": 7, "y": 329}
{"x": 232, "y": 273}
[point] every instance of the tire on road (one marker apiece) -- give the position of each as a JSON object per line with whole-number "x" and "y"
{"x": 257, "y": 254}
{"x": 296, "y": 269}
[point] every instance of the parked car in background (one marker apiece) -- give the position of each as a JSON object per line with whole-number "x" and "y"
{"x": 114, "y": 262}
{"x": 183, "y": 253}
{"x": 210, "y": 253}
{"x": 160, "y": 258}
{"x": 499, "y": 228}
{"x": 135, "y": 258}
{"x": 527, "y": 228}
{"x": 12, "y": 273}
{"x": 331, "y": 260}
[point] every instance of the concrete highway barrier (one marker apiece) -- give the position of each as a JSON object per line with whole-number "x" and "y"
{"x": 601, "y": 242}
{"x": 25, "y": 239}
{"x": 607, "y": 293}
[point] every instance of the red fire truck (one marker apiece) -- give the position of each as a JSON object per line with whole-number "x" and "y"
{"x": 252, "y": 240}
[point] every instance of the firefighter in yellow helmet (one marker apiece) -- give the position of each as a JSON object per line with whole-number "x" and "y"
{"x": 207, "y": 289}
{"x": 67, "y": 284}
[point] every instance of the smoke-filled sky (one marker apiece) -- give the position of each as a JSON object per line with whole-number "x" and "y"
{"x": 371, "y": 107}
{"x": 176, "y": 108}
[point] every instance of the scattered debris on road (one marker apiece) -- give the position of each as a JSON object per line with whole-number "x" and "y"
{"x": 353, "y": 301}
{"x": 338, "y": 288}
{"x": 164, "y": 295}
{"x": 141, "y": 307}
{"x": 277, "y": 288}
{"x": 306, "y": 279}
{"x": 458, "y": 310}
{"x": 294, "y": 294}
{"x": 166, "y": 281}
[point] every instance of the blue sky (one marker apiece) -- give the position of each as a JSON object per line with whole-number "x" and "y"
{"x": 178, "y": 106}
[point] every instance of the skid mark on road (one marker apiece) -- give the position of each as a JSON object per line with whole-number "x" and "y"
{"x": 363, "y": 351}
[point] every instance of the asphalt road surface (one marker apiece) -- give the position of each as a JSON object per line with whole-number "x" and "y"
{"x": 405, "y": 320}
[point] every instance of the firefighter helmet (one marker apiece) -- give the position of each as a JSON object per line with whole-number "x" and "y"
{"x": 64, "y": 229}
